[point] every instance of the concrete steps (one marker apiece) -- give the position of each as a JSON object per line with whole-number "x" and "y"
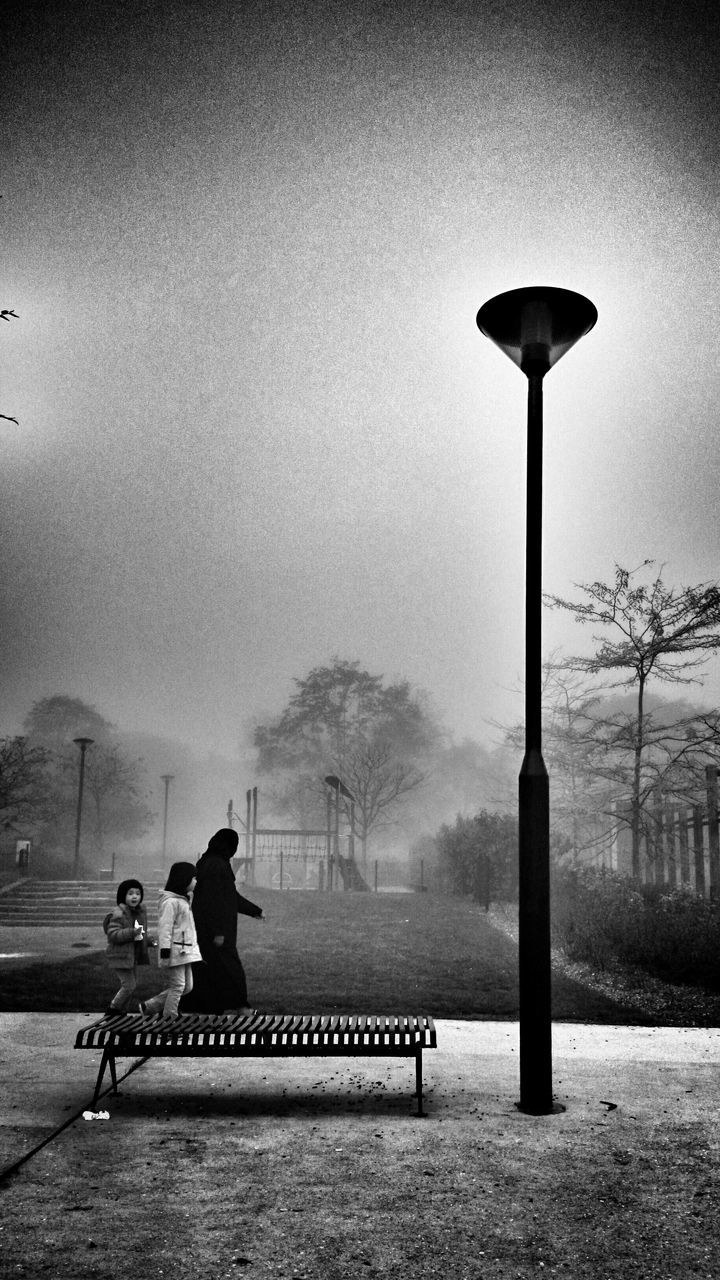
{"x": 65, "y": 903}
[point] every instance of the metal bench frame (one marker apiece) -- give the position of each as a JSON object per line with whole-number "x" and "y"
{"x": 260, "y": 1035}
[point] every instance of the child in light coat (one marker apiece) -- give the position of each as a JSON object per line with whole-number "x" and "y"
{"x": 177, "y": 940}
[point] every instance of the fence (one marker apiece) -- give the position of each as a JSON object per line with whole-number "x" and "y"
{"x": 680, "y": 843}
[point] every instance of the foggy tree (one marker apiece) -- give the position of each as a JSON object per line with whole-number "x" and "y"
{"x": 58, "y": 720}
{"x": 589, "y": 747}
{"x": 478, "y": 856}
{"x": 571, "y": 754}
{"x": 679, "y": 740}
{"x": 21, "y": 783}
{"x": 113, "y": 785}
{"x": 344, "y": 721}
{"x": 378, "y": 780}
{"x": 112, "y": 778}
{"x": 575, "y": 755}
{"x": 655, "y": 632}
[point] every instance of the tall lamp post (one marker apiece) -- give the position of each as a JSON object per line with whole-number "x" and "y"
{"x": 83, "y": 744}
{"x": 535, "y": 327}
{"x": 167, "y": 779}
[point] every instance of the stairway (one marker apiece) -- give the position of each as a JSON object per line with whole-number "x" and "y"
{"x": 66, "y": 903}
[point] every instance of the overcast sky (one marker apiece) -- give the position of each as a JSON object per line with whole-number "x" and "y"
{"x": 258, "y": 426}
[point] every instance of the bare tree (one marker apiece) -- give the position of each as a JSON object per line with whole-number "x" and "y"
{"x": 378, "y": 780}
{"x": 112, "y": 778}
{"x": 21, "y": 782}
{"x": 581, "y": 802}
{"x": 656, "y": 632}
{"x": 112, "y": 781}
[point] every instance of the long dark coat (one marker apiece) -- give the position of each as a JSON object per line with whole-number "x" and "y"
{"x": 216, "y": 902}
{"x": 219, "y": 981}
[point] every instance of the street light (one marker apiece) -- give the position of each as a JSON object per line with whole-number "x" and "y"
{"x": 167, "y": 779}
{"x": 83, "y": 744}
{"x": 535, "y": 327}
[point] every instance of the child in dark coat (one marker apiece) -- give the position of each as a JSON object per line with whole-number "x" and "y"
{"x": 128, "y": 942}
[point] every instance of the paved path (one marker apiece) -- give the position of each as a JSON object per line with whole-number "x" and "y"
{"x": 44, "y": 1079}
{"x": 319, "y": 1170}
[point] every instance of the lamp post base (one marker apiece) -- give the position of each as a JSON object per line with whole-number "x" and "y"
{"x": 536, "y": 1096}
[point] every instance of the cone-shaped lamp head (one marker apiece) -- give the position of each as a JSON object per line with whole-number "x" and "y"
{"x": 536, "y": 326}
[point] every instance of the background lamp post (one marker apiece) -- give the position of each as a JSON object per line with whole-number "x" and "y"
{"x": 535, "y": 327}
{"x": 167, "y": 779}
{"x": 83, "y": 744}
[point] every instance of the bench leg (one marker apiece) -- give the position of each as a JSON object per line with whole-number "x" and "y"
{"x": 419, "y": 1081}
{"x": 108, "y": 1058}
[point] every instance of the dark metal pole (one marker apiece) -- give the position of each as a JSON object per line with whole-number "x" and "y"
{"x": 167, "y": 779}
{"x": 83, "y": 744}
{"x": 254, "y": 833}
{"x": 336, "y": 842}
{"x": 329, "y": 836}
{"x": 248, "y": 821}
{"x": 535, "y": 328}
{"x": 534, "y": 804}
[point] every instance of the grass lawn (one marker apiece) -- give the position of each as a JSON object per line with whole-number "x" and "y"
{"x": 362, "y": 953}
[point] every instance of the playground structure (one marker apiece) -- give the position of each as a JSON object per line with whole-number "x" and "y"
{"x": 298, "y": 858}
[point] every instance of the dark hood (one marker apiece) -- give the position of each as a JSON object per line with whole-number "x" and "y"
{"x": 224, "y": 842}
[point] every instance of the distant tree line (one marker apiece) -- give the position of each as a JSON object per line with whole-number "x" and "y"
{"x": 39, "y": 773}
{"x": 611, "y": 745}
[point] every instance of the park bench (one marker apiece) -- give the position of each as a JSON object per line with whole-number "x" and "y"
{"x": 259, "y": 1035}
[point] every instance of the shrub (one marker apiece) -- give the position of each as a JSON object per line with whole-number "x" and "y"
{"x": 478, "y": 856}
{"x": 601, "y": 918}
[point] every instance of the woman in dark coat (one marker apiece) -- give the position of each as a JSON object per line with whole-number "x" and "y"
{"x": 220, "y": 982}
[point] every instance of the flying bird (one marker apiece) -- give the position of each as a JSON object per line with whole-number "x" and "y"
{"x": 6, "y": 314}
{"x": 9, "y": 419}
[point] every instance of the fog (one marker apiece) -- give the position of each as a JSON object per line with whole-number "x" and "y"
{"x": 257, "y": 424}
